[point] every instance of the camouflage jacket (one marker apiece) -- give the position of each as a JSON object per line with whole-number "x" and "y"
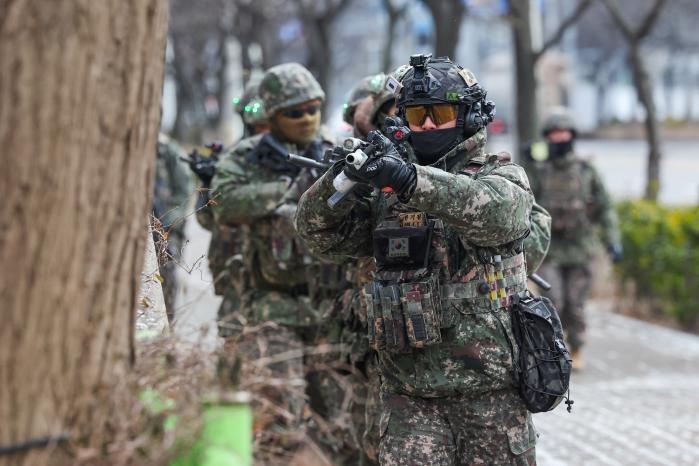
{"x": 572, "y": 191}
{"x": 280, "y": 280}
{"x": 173, "y": 187}
{"x": 479, "y": 211}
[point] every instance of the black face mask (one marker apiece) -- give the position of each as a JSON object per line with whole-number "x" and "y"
{"x": 558, "y": 150}
{"x": 431, "y": 145}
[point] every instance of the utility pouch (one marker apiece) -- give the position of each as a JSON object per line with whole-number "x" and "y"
{"x": 544, "y": 364}
{"x": 402, "y": 247}
{"x": 421, "y": 306}
{"x": 402, "y": 317}
{"x": 394, "y": 323}
{"x": 375, "y": 324}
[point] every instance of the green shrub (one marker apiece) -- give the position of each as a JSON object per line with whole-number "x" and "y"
{"x": 661, "y": 255}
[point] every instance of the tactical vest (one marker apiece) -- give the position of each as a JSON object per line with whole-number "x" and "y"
{"x": 427, "y": 276}
{"x": 566, "y": 195}
{"x": 276, "y": 259}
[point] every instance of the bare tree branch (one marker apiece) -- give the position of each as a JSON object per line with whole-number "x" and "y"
{"x": 395, "y": 14}
{"x": 583, "y": 5}
{"x": 650, "y": 19}
{"x": 618, "y": 17}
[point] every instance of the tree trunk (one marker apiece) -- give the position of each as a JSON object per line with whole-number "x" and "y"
{"x": 80, "y": 86}
{"x": 645, "y": 96}
{"x": 387, "y": 52}
{"x": 525, "y": 81}
{"x": 320, "y": 60}
{"x": 446, "y": 16}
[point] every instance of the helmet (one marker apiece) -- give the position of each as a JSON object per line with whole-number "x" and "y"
{"x": 372, "y": 86}
{"x": 287, "y": 85}
{"x": 559, "y": 118}
{"x": 249, "y": 106}
{"x": 440, "y": 81}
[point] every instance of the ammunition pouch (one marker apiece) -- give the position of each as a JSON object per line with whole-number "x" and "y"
{"x": 408, "y": 315}
{"x": 403, "y": 316}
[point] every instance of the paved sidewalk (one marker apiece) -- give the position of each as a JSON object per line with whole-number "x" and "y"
{"x": 636, "y": 402}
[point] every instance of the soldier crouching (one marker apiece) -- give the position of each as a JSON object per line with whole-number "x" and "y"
{"x": 440, "y": 227}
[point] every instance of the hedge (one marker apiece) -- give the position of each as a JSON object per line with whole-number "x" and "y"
{"x": 661, "y": 255}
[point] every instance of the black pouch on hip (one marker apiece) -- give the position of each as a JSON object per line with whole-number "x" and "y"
{"x": 544, "y": 364}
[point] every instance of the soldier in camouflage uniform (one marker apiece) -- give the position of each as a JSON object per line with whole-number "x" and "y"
{"x": 291, "y": 299}
{"x": 451, "y": 221}
{"x": 225, "y": 259}
{"x": 173, "y": 186}
{"x": 572, "y": 191}
{"x": 368, "y": 105}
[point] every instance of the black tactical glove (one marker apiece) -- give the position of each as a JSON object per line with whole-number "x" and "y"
{"x": 384, "y": 169}
{"x": 202, "y": 165}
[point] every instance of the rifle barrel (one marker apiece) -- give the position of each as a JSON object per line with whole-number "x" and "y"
{"x": 306, "y": 162}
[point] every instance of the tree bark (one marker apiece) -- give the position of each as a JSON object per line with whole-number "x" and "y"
{"x": 644, "y": 89}
{"x": 394, "y": 14}
{"x": 526, "y": 111}
{"x": 80, "y": 86}
{"x": 447, "y": 16}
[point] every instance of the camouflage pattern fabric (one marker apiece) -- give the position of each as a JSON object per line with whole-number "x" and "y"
{"x": 572, "y": 192}
{"x": 486, "y": 207}
{"x": 279, "y": 281}
{"x": 536, "y": 245}
{"x": 490, "y": 429}
{"x": 173, "y": 186}
{"x": 287, "y": 85}
{"x": 570, "y": 286}
{"x": 364, "y": 107}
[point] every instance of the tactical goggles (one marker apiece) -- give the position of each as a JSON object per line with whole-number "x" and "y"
{"x": 296, "y": 113}
{"x": 439, "y": 113}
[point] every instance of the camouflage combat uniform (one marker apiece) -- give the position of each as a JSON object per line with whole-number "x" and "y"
{"x": 173, "y": 186}
{"x": 435, "y": 395}
{"x": 572, "y": 191}
{"x": 291, "y": 300}
{"x": 441, "y": 324}
{"x": 368, "y": 105}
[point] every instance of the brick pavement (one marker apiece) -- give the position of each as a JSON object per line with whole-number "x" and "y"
{"x": 636, "y": 402}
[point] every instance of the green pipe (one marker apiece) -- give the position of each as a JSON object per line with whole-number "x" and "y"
{"x": 226, "y": 437}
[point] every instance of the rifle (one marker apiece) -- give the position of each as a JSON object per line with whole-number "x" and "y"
{"x": 279, "y": 150}
{"x": 356, "y": 152}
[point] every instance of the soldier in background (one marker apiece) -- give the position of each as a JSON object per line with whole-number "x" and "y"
{"x": 173, "y": 187}
{"x": 368, "y": 105}
{"x": 570, "y": 188}
{"x": 225, "y": 259}
{"x": 289, "y": 301}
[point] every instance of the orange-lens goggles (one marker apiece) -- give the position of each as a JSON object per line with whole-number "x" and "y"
{"x": 440, "y": 113}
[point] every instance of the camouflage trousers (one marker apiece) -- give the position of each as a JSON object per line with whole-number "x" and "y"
{"x": 490, "y": 429}
{"x": 369, "y": 413}
{"x": 570, "y": 286}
